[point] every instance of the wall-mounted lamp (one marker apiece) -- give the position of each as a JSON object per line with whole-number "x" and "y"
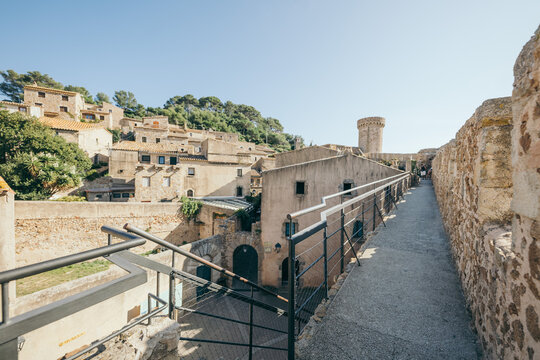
{"x": 277, "y": 247}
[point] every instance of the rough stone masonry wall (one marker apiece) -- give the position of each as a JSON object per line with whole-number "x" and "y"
{"x": 49, "y": 229}
{"x": 487, "y": 186}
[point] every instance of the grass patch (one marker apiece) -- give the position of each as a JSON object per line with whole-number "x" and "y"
{"x": 55, "y": 277}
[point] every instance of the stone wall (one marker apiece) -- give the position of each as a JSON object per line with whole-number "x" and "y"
{"x": 473, "y": 182}
{"x": 49, "y": 229}
{"x": 488, "y": 187}
{"x": 78, "y": 330}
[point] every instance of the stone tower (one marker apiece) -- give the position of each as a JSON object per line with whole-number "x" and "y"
{"x": 370, "y": 133}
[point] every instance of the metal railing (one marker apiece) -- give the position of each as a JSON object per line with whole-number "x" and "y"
{"x": 205, "y": 306}
{"x": 13, "y": 328}
{"x": 220, "y": 320}
{"x": 318, "y": 254}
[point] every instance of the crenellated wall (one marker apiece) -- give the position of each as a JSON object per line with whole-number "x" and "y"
{"x": 487, "y": 182}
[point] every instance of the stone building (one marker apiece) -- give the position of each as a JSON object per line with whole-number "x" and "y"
{"x": 301, "y": 178}
{"x": 167, "y": 171}
{"x": 94, "y": 140}
{"x": 370, "y": 134}
{"x": 70, "y": 105}
{"x": 156, "y": 129}
{"x": 24, "y": 108}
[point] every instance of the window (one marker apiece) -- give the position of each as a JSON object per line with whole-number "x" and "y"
{"x": 238, "y": 172}
{"x": 347, "y": 186}
{"x": 116, "y": 195}
{"x": 89, "y": 116}
{"x": 144, "y": 139}
{"x": 126, "y": 195}
{"x": 300, "y": 187}
{"x": 101, "y": 117}
{"x": 145, "y": 181}
{"x": 190, "y": 193}
{"x": 120, "y": 171}
{"x": 41, "y": 94}
{"x": 239, "y": 191}
{"x": 110, "y": 112}
{"x": 145, "y": 158}
{"x": 65, "y": 97}
{"x": 287, "y": 229}
{"x": 191, "y": 171}
{"x": 358, "y": 230}
{"x": 172, "y": 160}
{"x": 161, "y": 159}
{"x": 38, "y": 104}
{"x": 99, "y": 196}
{"x": 158, "y": 140}
{"x": 63, "y": 108}
{"x": 22, "y": 109}
{"x": 167, "y": 181}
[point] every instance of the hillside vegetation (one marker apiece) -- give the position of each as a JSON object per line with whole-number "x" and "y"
{"x": 197, "y": 113}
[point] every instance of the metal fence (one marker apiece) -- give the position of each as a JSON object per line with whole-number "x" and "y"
{"x": 319, "y": 253}
{"x": 221, "y": 319}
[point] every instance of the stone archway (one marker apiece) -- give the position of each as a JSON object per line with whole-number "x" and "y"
{"x": 245, "y": 264}
{"x": 234, "y": 240}
{"x": 209, "y": 249}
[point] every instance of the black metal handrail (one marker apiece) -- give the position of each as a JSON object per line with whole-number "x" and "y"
{"x": 208, "y": 287}
{"x": 199, "y": 259}
{"x": 389, "y": 188}
{"x": 44, "y": 266}
{"x": 131, "y": 325}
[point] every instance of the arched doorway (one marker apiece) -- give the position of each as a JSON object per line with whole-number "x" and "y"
{"x": 285, "y": 271}
{"x": 245, "y": 264}
{"x": 204, "y": 272}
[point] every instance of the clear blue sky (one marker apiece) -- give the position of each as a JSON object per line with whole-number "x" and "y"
{"x": 317, "y": 66}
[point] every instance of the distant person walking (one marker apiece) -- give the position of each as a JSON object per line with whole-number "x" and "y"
{"x": 423, "y": 172}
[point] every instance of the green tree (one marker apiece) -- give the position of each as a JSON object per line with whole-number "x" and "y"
{"x": 125, "y": 99}
{"x": 116, "y": 134}
{"x": 34, "y": 161}
{"x": 100, "y": 98}
{"x": 211, "y": 103}
{"x": 83, "y": 91}
{"x": 13, "y": 84}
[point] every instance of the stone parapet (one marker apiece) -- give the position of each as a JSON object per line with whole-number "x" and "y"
{"x": 487, "y": 182}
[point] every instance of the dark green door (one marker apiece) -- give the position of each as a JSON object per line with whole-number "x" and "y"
{"x": 245, "y": 264}
{"x": 204, "y": 272}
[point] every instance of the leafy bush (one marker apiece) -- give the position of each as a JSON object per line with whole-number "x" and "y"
{"x": 190, "y": 207}
{"x": 116, "y": 134}
{"x": 34, "y": 161}
{"x": 92, "y": 175}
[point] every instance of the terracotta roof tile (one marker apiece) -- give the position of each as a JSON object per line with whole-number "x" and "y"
{"x": 50, "y": 90}
{"x": 14, "y": 103}
{"x": 70, "y": 125}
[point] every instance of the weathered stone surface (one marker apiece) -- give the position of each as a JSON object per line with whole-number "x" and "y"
{"x": 74, "y": 227}
{"x": 159, "y": 341}
{"x": 486, "y": 180}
